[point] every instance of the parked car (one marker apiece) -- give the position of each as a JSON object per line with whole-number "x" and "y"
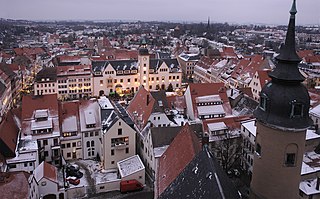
{"x": 130, "y": 185}
{"x": 73, "y": 180}
{"x": 73, "y": 170}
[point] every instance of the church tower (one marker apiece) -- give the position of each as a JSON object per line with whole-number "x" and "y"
{"x": 282, "y": 119}
{"x": 144, "y": 62}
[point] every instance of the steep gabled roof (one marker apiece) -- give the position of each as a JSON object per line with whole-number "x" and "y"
{"x": 142, "y": 106}
{"x": 8, "y": 135}
{"x": 201, "y": 178}
{"x": 162, "y": 136}
{"x": 46, "y": 170}
{"x": 263, "y": 77}
{"x": 178, "y": 155}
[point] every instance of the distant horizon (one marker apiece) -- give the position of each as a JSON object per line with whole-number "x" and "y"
{"x": 145, "y": 21}
{"x": 273, "y": 12}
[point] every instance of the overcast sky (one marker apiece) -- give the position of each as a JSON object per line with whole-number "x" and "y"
{"x": 232, "y": 11}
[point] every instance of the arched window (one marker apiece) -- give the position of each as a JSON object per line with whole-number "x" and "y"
{"x": 92, "y": 143}
{"x": 291, "y": 152}
{"x": 88, "y": 143}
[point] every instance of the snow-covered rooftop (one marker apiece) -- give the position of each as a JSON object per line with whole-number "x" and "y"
{"x": 37, "y": 125}
{"x": 315, "y": 111}
{"x": 311, "y": 134}
{"x": 70, "y": 124}
{"x": 309, "y": 186}
{"x": 210, "y": 110}
{"x": 159, "y": 151}
{"x": 105, "y": 103}
{"x": 41, "y": 113}
{"x": 250, "y": 126}
{"x": 130, "y": 165}
{"x": 217, "y": 126}
{"x": 208, "y": 98}
{"x": 311, "y": 163}
{"x": 89, "y": 117}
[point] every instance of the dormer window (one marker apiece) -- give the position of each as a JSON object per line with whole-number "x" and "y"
{"x": 263, "y": 102}
{"x": 296, "y": 109}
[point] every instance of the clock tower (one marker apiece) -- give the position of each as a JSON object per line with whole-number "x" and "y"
{"x": 144, "y": 63}
{"x": 282, "y": 119}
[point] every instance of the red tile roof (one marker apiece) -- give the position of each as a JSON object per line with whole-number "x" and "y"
{"x": 32, "y": 103}
{"x": 15, "y": 185}
{"x": 305, "y": 53}
{"x": 231, "y": 122}
{"x": 8, "y": 135}
{"x": 178, "y": 155}
{"x": 46, "y": 170}
{"x": 139, "y": 108}
{"x": 263, "y": 77}
{"x": 204, "y": 89}
{"x": 68, "y": 109}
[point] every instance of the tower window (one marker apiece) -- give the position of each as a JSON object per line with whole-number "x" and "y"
{"x": 290, "y": 159}
{"x": 296, "y": 110}
{"x": 258, "y": 149}
{"x": 263, "y": 102}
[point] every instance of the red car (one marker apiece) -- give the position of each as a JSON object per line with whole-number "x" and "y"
{"x": 130, "y": 185}
{"x": 73, "y": 180}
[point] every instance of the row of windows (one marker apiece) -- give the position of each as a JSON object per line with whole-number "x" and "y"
{"x": 91, "y": 134}
{"x": 68, "y": 145}
{"x": 45, "y": 85}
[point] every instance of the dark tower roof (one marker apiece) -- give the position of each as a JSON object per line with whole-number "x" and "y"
{"x": 284, "y": 101}
{"x": 143, "y": 48}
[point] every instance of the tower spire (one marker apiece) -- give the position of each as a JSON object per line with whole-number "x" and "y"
{"x": 288, "y": 59}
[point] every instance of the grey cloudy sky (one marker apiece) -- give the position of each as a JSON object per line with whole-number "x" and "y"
{"x": 232, "y": 11}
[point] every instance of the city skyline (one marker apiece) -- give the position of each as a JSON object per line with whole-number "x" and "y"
{"x": 243, "y": 12}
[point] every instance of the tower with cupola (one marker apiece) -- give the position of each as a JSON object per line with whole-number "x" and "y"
{"x": 282, "y": 119}
{"x": 144, "y": 63}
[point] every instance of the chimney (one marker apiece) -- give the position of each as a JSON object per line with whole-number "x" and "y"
{"x": 148, "y": 99}
{"x": 232, "y": 92}
{"x": 205, "y": 139}
{"x": 318, "y": 183}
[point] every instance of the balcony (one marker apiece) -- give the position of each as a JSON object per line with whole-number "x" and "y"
{"x": 120, "y": 145}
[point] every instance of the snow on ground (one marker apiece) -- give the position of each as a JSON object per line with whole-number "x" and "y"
{"x": 98, "y": 174}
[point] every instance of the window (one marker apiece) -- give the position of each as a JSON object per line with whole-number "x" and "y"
{"x": 63, "y": 146}
{"x": 68, "y": 155}
{"x": 296, "y": 110}
{"x": 44, "y": 183}
{"x": 92, "y": 143}
{"x": 96, "y": 133}
{"x": 88, "y": 143}
{"x": 119, "y": 131}
{"x": 258, "y": 149}
{"x": 45, "y": 142}
{"x": 112, "y": 151}
{"x": 46, "y": 154}
{"x": 68, "y": 145}
{"x": 25, "y": 164}
{"x": 91, "y": 134}
{"x": 127, "y": 150}
{"x": 112, "y": 162}
{"x": 74, "y": 144}
{"x": 290, "y": 159}
{"x": 263, "y": 102}
{"x": 119, "y": 123}
{"x": 85, "y": 134}
{"x": 121, "y": 80}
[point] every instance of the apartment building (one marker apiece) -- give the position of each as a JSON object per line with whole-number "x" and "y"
{"x": 119, "y": 135}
